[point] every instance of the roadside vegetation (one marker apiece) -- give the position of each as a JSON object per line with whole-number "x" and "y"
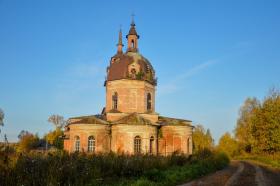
{"x": 257, "y": 132}
{"x": 31, "y": 161}
{"x": 61, "y": 168}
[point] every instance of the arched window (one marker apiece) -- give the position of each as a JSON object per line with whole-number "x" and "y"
{"x": 77, "y": 143}
{"x": 149, "y": 101}
{"x": 152, "y": 139}
{"x": 91, "y": 144}
{"x": 137, "y": 145}
{"x": 132, "y": 43}
{"x": 115, "y": 101}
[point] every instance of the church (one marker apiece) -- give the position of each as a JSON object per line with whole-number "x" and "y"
{"x": 129, "y": 123}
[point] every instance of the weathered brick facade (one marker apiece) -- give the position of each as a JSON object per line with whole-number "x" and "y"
{"x": 129, "y": 124}
{"x": 132, "y": 95}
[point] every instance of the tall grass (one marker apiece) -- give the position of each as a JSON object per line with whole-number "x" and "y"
{"x": 61, "y": 168}
{"x": 272, "y": 160}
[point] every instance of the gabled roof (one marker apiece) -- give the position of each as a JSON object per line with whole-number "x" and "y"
{"x": 93, "y": 119}
{"x": 134, "y": 119}
{"x": 173, "y": 121}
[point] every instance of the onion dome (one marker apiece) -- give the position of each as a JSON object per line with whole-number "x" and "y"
{"x": 131, "y": 65}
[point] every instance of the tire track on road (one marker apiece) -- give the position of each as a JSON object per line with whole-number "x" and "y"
{"x": 259, "y": 176}
{"x": 233, "y": 179}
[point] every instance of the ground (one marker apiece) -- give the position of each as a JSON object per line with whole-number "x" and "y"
{"x": 241, "y": 173}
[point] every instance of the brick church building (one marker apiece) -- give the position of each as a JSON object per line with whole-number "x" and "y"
{"x": 129, "y": 124}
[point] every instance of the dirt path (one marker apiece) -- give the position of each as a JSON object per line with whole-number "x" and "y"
{"x": 240, "y": 173}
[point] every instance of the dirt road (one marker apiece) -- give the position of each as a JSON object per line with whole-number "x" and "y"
{"x": 240, "y": 173}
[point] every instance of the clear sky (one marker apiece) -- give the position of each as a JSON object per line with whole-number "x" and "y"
{"x": 208, "y": 56}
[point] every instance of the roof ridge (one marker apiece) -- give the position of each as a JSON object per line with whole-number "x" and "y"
{"x": 88, "y": 119}
{"x": 129, "y": 119}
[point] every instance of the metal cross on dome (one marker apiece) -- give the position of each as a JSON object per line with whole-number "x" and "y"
{"x": 132, "y": 18}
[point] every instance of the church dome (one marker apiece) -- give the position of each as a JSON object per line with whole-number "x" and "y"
{"x": 131, "y": 65}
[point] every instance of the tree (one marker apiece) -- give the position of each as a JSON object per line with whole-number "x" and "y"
{"x": 54, "y": 138}
{"x": 22, "y": 134}
{"x": 244, "y": 125}
{"x": 57, "y": 120}
{"x": 27, "y": 141}
{"x": 201, "y": 139}
{"x": 228, "y": 145}
{"x": 6, "y": 139}
{"x": 1, "y": 118}
{"x": 258, "y": 126}
{"x": 209, "y": 138}
{"x": 266, "y": 125}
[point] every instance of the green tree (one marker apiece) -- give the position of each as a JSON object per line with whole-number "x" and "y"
{"x": 244, "y": 125}
{"x": 228, "y": 145}
{"x": 27, "y": 141}
{"x": 201, "y": 139}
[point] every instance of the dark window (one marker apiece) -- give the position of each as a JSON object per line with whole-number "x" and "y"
{"x": 149, "y": 101}
{"x": 133, "y": 73}
{"x": 115, "y": 101}
{"x": 77, "y": 143}
{"x": 137, "y": 145}
{"x": 132, "y": 43}
{"x": 151, "y": 144}
{"x": 91, "y": 144}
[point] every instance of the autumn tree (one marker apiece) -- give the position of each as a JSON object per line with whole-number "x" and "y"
{"x": 54, "y": 137}
{"x": 243, "y": 130}
{"x": 201, "y": 139}
{"x": 266, "y": 125}
{"x": 27, "y": 141}
{"x": 228, "y": 145}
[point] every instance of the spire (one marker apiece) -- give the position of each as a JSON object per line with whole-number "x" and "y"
{"x": 132, "y": 20}
{"x": 120, "y": 44}
{"x": 132, "y": 30}
{"x": 132, "y": 37}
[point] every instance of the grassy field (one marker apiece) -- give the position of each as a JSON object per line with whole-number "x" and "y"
{"x": 61, "y": 168}
{"x": 272, "y": 160}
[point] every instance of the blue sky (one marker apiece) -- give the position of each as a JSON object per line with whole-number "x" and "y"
{"x": 208, "y": 56}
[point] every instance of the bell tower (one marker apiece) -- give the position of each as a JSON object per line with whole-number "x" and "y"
{"x": 130, "y": 81}
{"x": 132, "y": 38}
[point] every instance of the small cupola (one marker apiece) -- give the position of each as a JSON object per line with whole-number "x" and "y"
{"x": 132, "y": 38}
